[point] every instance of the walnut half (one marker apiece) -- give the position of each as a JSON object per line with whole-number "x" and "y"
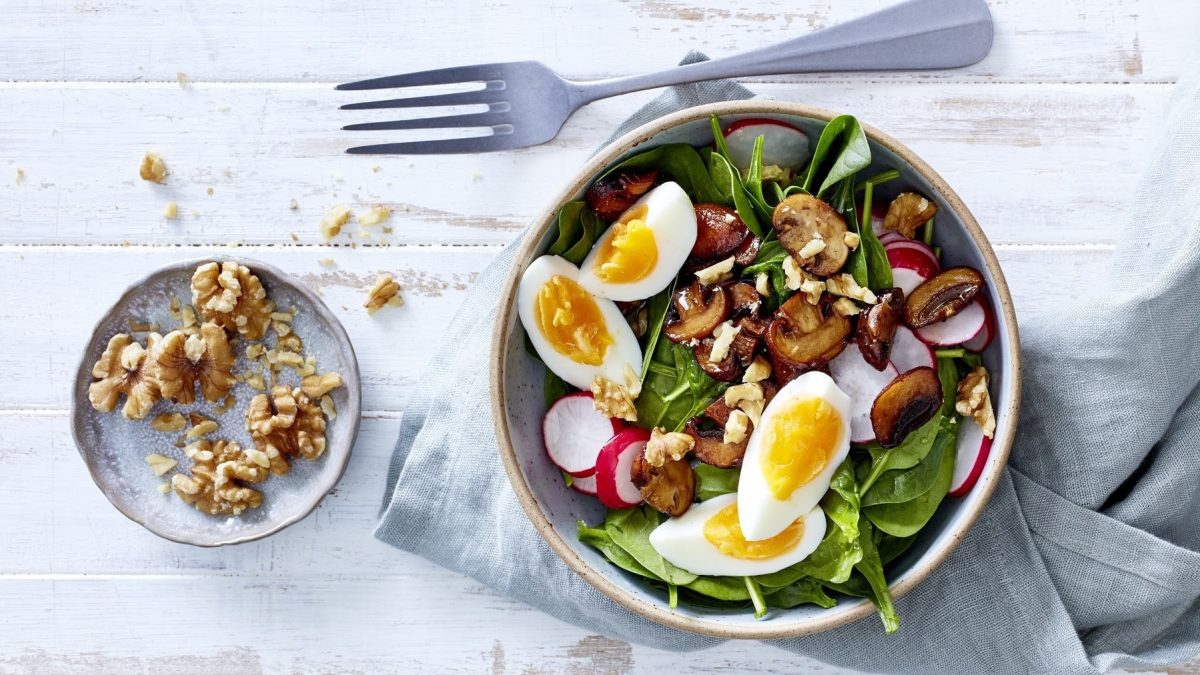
{"x": 284, "y": 424}
{"x": 220, "y": 470}
{"x": 205, "y": 357}
{"x": 231, "y": 296}
{"x": 975, "y": 402}
{"x": 126, "y": 368}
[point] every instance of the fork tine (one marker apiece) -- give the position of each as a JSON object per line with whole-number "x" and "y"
{"x": 442, "y": 147}
{"x": 493, "y": 93}
{"x": 456, "y": 75}
{"x": 487, "y": 119}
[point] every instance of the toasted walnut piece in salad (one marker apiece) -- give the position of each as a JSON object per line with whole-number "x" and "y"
{"x": 665, "y": 446}
{"x": 974, "y": 401}
{"x": 616, "y": 400}
{"x": 907, "y": 212}
{"x": 737, "y": 427}
{"x": 717, "y": 272}
{"x": 206, "y": 358}
{"x": 220, "y": 470}
{"x": 231, "y": 296}
{"x": 845, "y": 286}
{"x": 126, "y": 368}
{"x": 758, "y": 370}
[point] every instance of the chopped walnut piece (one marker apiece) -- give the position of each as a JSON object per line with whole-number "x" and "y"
{"x": 723, "y": 336}
{"x": 255, "y": 381}
{"x": 845, "y": 286}
{"x": 164, "y": 488}
{"x": 202, "y": 429}
{"x": 758, "y": 370}
{"x": 737, "y": 427}
{"x": 812, "y": 248}
{"x": 231, "y": 296}
{"x": 286, "y": 424}
{"x": 126, "y": 368}
{"x": 153, "y": 168}
{"x": 328, "y": 407}
{"x": 762, "y": 284}
{"x": 170, "y": 211}
{"x": 616, "y": 400}
{"x": 846, "y": 307}
{"x": 168, "y": 422}
{"x": 907, "y": 212}
{"x": 975, "y": 402}
{"x": 219, "y": 474}
{"x": 717, "y": 272}
{"x": 749, "y": 391}
{"x": 255, "y": 351}
{"x": 384, "y": 292}
{"x": 665, "y": 446}
{"x": 316, "y": 386}
{"x": 206, "y": 357}
{"x": 852, "y": 240}
{"x": 331, "y": 224}
{"x": 375, "y": 215}
{"x": 160, "y": 464}
{"x": 225, "y": 405}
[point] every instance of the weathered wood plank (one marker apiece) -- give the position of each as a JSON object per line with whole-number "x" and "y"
{"x": 1035, "y": 163}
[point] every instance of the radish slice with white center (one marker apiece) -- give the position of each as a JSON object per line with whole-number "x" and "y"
{"x": 574, "y": 433}
{"x": 956, "y": 330}
{"x": 862, "y": 383}
{"x": 890, "y": 236}
{"x": 973, "y": 451}
{"x": 614, "y": 469}
{"x": 784, "y": 146}
{"x": 981, "y": 341}
{"x": 586, "y": 485}
{"x": 917, "y": 246}
{"x": 906, "y": 279}
{"x": 909, "y": 352}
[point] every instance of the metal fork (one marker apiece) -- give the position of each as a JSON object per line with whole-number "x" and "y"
{"x": 528, "y": 103}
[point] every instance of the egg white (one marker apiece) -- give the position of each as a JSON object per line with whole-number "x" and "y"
{"x": 671, "y": 217}
{"x": 761, "y": 514}
{"x": 624, "y": 351}
{"x": 681, "y": 542}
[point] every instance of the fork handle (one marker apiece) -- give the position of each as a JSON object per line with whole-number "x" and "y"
{"x": 913, "y": 35}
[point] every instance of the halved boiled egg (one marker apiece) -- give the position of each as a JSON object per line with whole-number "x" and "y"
{"x": 643, "y": 250}
{"x": 708, "y": 539}
{"x": 801, "y": 439}
{"x": 577, "y": 335}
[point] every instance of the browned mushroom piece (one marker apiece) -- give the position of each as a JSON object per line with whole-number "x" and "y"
{"x": 877, "y": 327}
{"x": 745, "y": 346}
{"x": 670, "y": 488}
{"x": 783, "y": 371}
{"x": 748, "y": 251}
{"x": 725, "y": 370}
{"x": 611, "y": 196}
{"x": 700, "y": 310}
{"x": 743, "y": 297}
{"x": 719, "y": 231}
{"x": 718, "y": 411}
{"x": 908, "y": 402}
{"x": 943, "y": 296}
{"x": 807, "y": 335}
{"x": 801, "y": 218}
{"x": 712, "y": 449}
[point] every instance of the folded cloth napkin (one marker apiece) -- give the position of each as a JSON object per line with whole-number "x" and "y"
{"x": 1087, "y": 557}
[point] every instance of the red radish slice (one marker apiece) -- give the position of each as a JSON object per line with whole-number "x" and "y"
{"x": 614, "y": 484}
{"x": 981, "y": 341}
{"x": 973, "y": 451}
{"x": 906, "y": 279}
{"x": 911, "y": 259}
{"x": 956, "y": 330}
{"x": 878, "y": 213}
{"x": 915, "y": 246}
{"x": 586, "y": 485}
{"x": 890, "y": 236}
{"x": 574, "y": 433}
{"x": 784, "y": 146}
{"x": 909, "y": 352}
{"x": 862, "y": 383}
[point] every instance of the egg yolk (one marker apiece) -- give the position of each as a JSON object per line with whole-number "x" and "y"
{"x": 799, "y": 442}
{"x": 570, "y": 320}
{"x": 630, "y": 254}
{"x": 724, "y": 531}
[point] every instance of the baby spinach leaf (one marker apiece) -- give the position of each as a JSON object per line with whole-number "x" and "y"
{"x": 855, "y": 586}
{"x": 756, "y": 597}
{"x": 843, "y": 144}
{"x": 600, "y": 540}
{"x": 891, "y": 547}
{"x": 719, "y": 138}
{"x": 872, "y": 569}
{"x": 754, "y": 182}
{"x": 908, "y": 454}
{"x": 656, "y": 315}
{"x": 713, "y": 482}
{"x": 569, "y": 227}
{"x": 878, "y": 268}
{"x": 856, "y": 262}
{"x": 630, "y": 529}
{"x": 729, "y": 589}
{"x": 681, "y": 162}
{"x": 905, "y": 519}
{"x": 728, "y": 185}
{"x": 554, "y": 388}
{"x": 902, "y": 485}
{"x": 799, "y": 592}
{"x": 675, "y": 389}
{"x": 948, "y": 376}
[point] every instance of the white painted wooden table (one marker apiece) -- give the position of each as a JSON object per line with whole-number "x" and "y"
{"x": 1044, "y": 140}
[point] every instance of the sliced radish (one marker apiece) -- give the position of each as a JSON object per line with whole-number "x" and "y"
{"x": 909, "y": 352}
{"x": 906, "y": 279}
{"x": 862, "y": 383}
{"x": 784, "y": 145}
{"x": 911, "y": 259}
{"x": 889, "y": 236}
{"x": 574, "y": 433}
{"x": 878, "y": 213}
{"x": 981, "y": 341}
{"x": 586, "y": 485}
{"x": 973, "y": 451}
{"x": 956, "y": 330}
{"x": 614, "y": 484}
{"x": 915, "y": 246}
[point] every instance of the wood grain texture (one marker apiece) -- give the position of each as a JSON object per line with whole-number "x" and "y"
{"x": 1043, "y": 140}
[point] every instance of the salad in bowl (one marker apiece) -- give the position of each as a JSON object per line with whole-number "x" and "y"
{"x": 764, "y": 369}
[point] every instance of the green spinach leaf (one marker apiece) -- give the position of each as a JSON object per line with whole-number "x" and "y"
{"x": 872, "y": 569}
{"x": 728, "y": 185}
{"x": 681, "y": 162}
{"x": 799, "y": 592}
{"x": 729, "y": 589}
{"x": 948, "y": 376}
{"x": 630, "y": 529}
{"x": 878, "y": 268}
{"x": 843, "y": 144}
{"x": 891, "y": 547}
{"x": 908, "y": 454}
{"x": 902, "y": 485}
{"x": 656, "y": 315}
{"x": 713, "y": 482}
{"x": 905, "y": 519}
{"x": 675, "y": 388}
{"x": 554, "y": 388}
{"x": 599, "y": 539}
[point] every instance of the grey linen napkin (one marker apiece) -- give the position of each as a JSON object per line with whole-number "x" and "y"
{"x": 1087, "y": 557}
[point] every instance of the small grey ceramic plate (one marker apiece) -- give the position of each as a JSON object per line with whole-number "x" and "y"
{"x": 115, "y": 448}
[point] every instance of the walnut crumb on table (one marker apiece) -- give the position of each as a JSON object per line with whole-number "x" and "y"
{"x": 170, "y": 211}
{"x": 335, "y": 218}
{"x": 375, "y": 215}
{"x": 153, "y": 168}
{"x": 385, "y": 292}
